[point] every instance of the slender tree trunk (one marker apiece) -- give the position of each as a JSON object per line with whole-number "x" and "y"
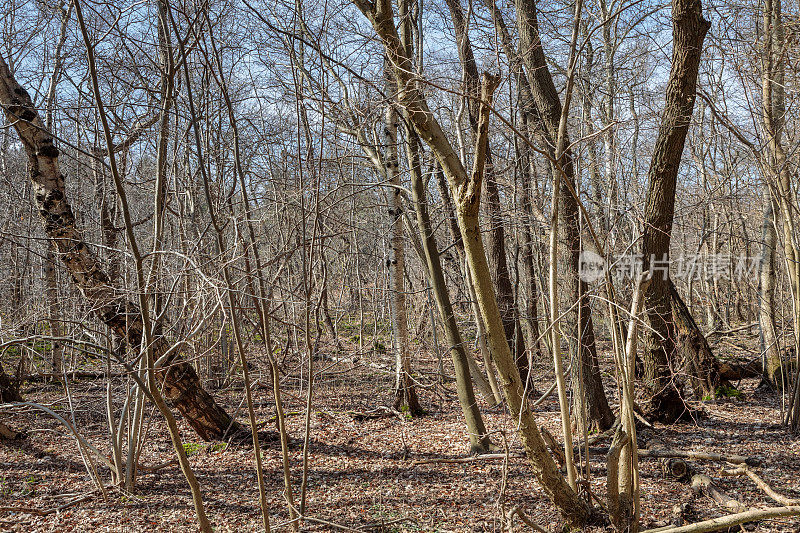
{"x": 770, "y": 351}
{"x": 774, "y": 120}
{"x": 496, "y": 237}
{"x": 50, "y": 275}
{"x": 595, "y": 179}
{"x": 490, "y": 391}
{"x": 529, "y": 251}
{"x": 609, "y": 116}
{"x": 53, "y": 308}
{"x": 478, "y": 438}
{"x": 405, "y": 391}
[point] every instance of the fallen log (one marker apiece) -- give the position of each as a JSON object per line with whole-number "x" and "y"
{"x": 701, "y": 456}
{"x": 760, "y": 483}
{"x": 725, "y": 522}
{"x": 674, "y": 467}
{"x": 703, "y": 484}
{"x": 75, "y": 375}
{"x": 470, "y": 459}
{"x": 723, "y": 332}
{"x": 44, "y": 512}
{"x": 685, "y": 454}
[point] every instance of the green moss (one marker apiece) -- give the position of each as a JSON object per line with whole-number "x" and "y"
{"x": 218, "y": 447}
{"x": 192, "y": 448}
{"x": 728, "y": 392}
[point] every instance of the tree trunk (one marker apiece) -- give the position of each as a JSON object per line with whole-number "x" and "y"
{"x": 779, "y": 191}
{"x": 702, "y": 366}
{"x": 180, "y": 383}
{"x": 572, "y": 507}
{"x": 8, "y": 389}
{"x": 770, "y": 353}
{"x": 529, "y": 252}
{"x": 478, "y": 438}
{"x": 493, "y": 394}
{"x": 53, "y": 308}
{"x": 467, "y": 189}
{"x": 689, "y": 31}
{"x": 545, "y": 97}
{"x": 496, "y": 237}
{"x": 405, "y": 392}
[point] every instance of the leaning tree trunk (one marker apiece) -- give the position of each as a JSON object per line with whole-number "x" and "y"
{"x": 488, "y": 385}
{"x": 496, "y": 237}
{"x": 466, "y": 190}
{"x": 180, "y": 383}
{"x": 478, "y": 437}
{"x": 572, "y": 507}
{"x": 689, "y": 30}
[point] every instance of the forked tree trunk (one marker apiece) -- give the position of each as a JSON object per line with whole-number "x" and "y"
{"x": 780, "y": 172}
{"x": 466, "y": 190}
{"x": 180, "y": 383}
{"x": 689, "y": 31}
{"x": 478, "y": 437}
{"x": 496, "y": 237}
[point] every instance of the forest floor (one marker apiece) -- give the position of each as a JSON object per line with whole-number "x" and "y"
{"x": 361, "y": 471}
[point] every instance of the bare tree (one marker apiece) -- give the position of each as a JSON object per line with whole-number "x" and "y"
{"x": 689, "y": 31}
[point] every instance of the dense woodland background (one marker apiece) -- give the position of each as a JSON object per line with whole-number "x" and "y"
{"x": 328, "y": 265}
